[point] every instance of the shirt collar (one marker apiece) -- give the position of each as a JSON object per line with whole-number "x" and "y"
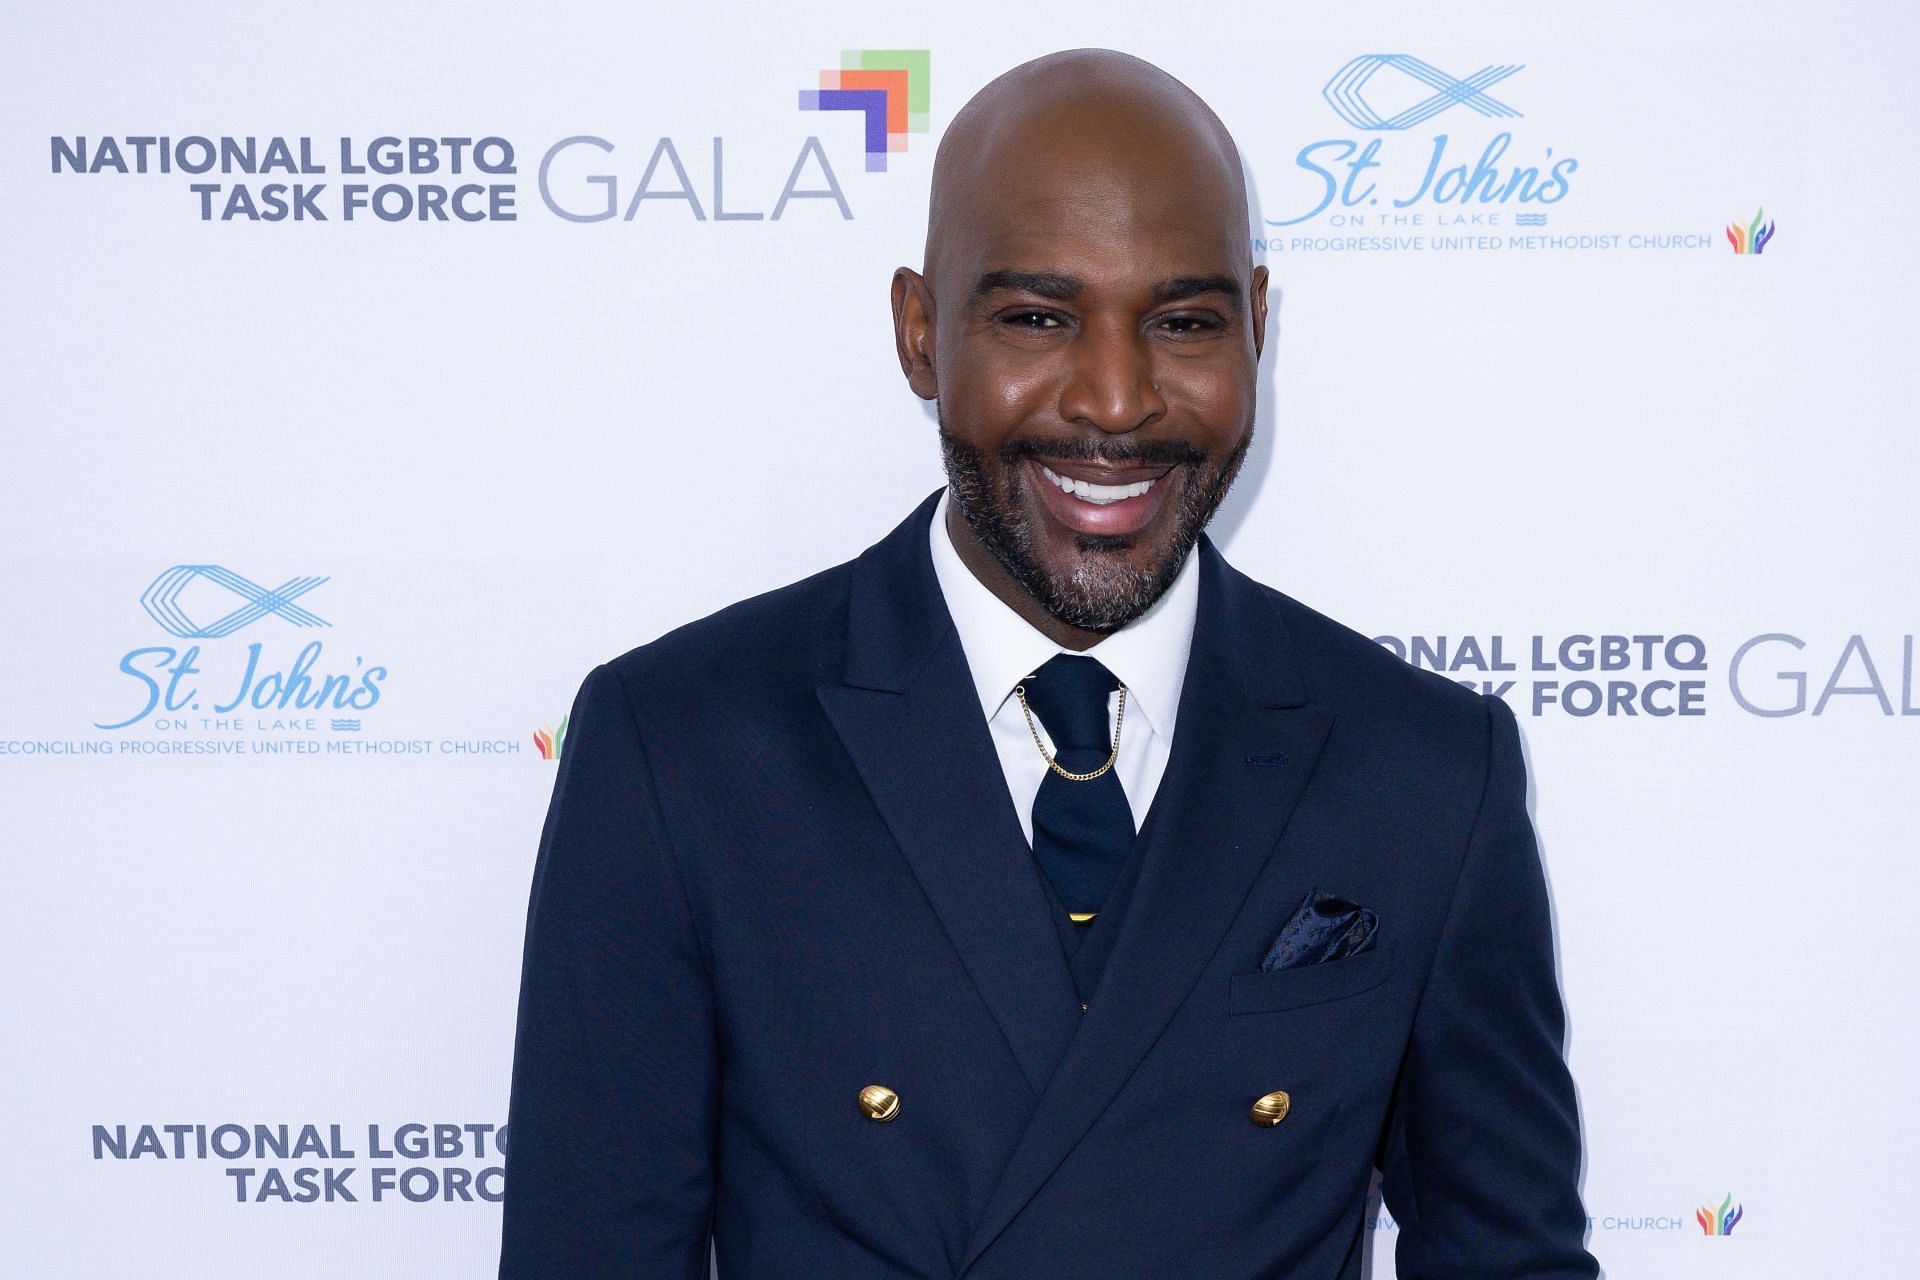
{"x": 1148, "y": 655}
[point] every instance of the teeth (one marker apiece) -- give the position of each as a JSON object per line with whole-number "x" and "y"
{"x": 1096, "y": 493}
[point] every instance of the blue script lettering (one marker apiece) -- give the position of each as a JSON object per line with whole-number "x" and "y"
{"x": 175, "y": 672}
{"x": 1458, "y": 185}
{"x": 1356, "y": 165}
{"x": 296, "y": 687}
{"x": 1485, "y": 181}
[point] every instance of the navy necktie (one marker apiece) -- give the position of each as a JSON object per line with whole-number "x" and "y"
{"x": 1082, "y": 831}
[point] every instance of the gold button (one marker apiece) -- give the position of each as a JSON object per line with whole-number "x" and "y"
{"x": 879, "y": 1103}
{"x": 1272, "y": 1109}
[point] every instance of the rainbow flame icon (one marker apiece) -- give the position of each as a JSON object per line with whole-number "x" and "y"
{"x": 548, "y": 741}
{"x": 1718, "y": 1222}
{"x": 1753, "y": 237}
{"x": 888, "y": 85}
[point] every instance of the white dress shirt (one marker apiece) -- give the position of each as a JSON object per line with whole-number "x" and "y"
{"x": 1148, "y": 656}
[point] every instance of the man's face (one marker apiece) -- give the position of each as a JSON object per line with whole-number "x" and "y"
{"x": 1096, "y": 345}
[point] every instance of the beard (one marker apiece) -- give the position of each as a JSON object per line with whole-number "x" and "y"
{"x": 1103, "y": 589}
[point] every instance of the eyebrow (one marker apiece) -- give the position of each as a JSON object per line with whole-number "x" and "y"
{"x": 1183, "y": 287}
{"x": 1047, "y": 284}
{"x": 1065, "y": 288}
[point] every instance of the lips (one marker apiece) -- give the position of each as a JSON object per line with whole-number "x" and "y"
{"x": 1098, "y": 500}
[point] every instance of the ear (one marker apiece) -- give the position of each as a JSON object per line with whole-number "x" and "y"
{"x": 1257, "y": 297}
{"x": 913, "y": 331}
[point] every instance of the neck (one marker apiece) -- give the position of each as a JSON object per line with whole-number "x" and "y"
{"x": 985, "y": 566}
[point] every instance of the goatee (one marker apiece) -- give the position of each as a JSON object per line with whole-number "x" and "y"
{"x": 1104, "y": 590}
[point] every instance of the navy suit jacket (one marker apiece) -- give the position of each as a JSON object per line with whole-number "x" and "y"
{"x": 781, "y": 863}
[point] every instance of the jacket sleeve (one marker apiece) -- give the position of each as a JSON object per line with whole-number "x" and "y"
{"x": 1482, "y": 1155}
{"x": 610, "y": 1163}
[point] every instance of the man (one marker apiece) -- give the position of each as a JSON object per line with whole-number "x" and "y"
{"x": 1035, "y": 895}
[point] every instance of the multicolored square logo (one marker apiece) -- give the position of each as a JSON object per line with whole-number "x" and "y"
{"x": 888, "y": 85}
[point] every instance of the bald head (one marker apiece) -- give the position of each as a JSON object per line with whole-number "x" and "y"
{"x": 1093, "y": 123}
{"x": 1088, "y": 320}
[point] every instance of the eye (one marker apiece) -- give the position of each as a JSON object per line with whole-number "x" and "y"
{"x": 1190, "y": 326}
{"x": 1030, "y": 319}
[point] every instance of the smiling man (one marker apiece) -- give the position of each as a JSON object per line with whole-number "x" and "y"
{"x": 1035, "y": 895}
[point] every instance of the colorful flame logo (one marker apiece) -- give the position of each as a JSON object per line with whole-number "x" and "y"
{"x": 1753, "y": 237}
{"x": 549, "y": 741}
{"x": 1718, "y": 1222}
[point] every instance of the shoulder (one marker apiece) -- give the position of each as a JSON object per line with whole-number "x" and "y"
{"x": 1417, "y": 752}
{"x": 1349, "y": 666}
{"x": 1397, "y": 711}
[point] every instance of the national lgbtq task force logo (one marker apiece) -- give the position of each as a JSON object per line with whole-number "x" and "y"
{"x": 1753, "y": 237}
{"x": 1718, "y": 1222}
{"x": 888, "y": 85}
{"x": 549, "y": 742}
{"x": 1605, "y": 674}
{"x": 446, "y": 178}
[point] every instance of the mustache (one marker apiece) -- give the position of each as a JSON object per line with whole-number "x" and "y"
{"x": 1117, "y": 452}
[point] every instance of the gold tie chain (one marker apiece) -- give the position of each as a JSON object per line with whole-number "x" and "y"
{"x": 1120, "y": 715}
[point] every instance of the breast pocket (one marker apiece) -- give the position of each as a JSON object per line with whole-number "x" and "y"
{"x": 1308, "y": 984}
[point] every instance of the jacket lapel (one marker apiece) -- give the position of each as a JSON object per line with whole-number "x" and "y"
{"x": 1242, "y": 704}
{"x": 907, "y": 713}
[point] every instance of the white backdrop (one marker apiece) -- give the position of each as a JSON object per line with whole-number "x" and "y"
{"x": 510, "y": 448}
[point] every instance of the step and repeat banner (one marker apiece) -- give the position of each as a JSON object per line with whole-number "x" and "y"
{"x": 371, "y": 372}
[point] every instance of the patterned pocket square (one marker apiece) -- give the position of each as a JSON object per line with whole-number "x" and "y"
{"x": 1325, "y": 928}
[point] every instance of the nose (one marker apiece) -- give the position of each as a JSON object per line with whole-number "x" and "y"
{"x": 1111, "y": 383}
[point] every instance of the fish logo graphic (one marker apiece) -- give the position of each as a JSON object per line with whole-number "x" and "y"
{"x": 1344, "y": 93}
{"x": 162, "y": 602}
